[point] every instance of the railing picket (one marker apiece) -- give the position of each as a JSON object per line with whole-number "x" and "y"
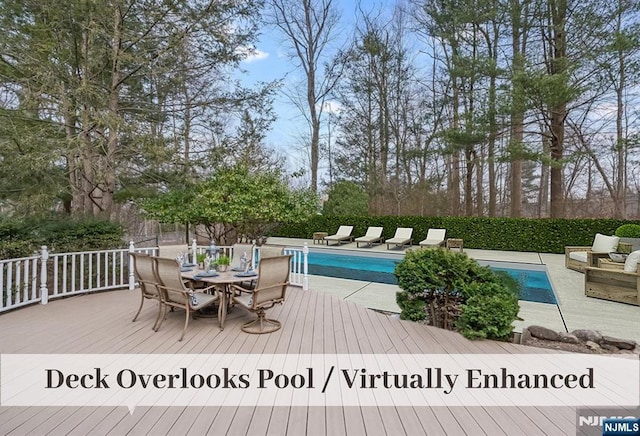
{"x": 64, "y": 274}
{"x": 10, "y": 284}
{"x": 25, "y": 281}
{"x": 54, "y": 262}
{"x": 34, "y": 278}
{"x": 122, "y": 263}
{"x": 2, "y": 287}
{"x": 98, "y": 270}
{"x": 113, "y": 270}
{"x": 105, "y": 274}
{"x": 82, "y": 280}
{"x": 73, "y": 273}
{"x": 19, "y": 296}
{"x": 90, "y": 278}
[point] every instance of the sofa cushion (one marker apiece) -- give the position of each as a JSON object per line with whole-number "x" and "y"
{"x": 605, "y": 244}
{"x": 631, "y": 264}
{"x": 580, "y": 256}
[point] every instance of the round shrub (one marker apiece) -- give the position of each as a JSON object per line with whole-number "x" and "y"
{"x": 488, "y": 312}
{"x": 628, "y": 231}
{"x": 452, "y": 291}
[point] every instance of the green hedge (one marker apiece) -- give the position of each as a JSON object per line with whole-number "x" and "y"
{"x": 511, "y": 234}
{"x": 23, "y": 237}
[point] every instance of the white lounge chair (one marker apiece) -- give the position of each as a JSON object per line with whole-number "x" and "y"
{"x": 374, "y": 234}
{"x": 343, "y": 234}
{"x": 435, "y": 238}
{"x": 402, "y": 237}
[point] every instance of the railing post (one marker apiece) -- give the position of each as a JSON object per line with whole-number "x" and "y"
{"x": 132, "y": 277}
{"x": 194, "y": 249}
{"x": 305, "y": 267}
{"x": 44, "y": 291}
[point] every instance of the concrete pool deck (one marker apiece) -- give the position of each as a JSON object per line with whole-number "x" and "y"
{"x": 573, "y": 311}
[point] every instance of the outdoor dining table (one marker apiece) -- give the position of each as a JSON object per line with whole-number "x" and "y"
{"x": 225, "y": 280}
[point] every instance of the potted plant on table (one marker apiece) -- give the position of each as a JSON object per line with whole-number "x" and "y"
{"x": 200, "y": 258}
{"x": 223, "y": 263}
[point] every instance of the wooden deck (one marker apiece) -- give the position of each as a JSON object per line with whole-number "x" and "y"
{"x": 313, "y": 322}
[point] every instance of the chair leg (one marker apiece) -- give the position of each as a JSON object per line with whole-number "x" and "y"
{"x": 162, "y": 318}
{"x": 186, "y": 323}
{"x": 161, "y": 311}
{"x": 139, "y": 308}
{"x": 263, "y": 324}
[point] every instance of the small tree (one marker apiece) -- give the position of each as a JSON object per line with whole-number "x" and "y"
{"x": 234, "y": 201}
{"x": 346, "y": 198}
{"x": 450, "y": 290}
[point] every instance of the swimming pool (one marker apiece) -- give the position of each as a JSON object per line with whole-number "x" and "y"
{"x": 534, "y": 281}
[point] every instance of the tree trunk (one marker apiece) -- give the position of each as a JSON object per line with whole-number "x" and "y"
{"x": 620, "y": 199}
{"x": 108, "y": 206}
{"x": 517, "y": 108}
{"x": 558, "y": 110}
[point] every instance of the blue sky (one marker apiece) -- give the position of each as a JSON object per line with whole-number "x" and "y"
{"x": 272, "y": 63}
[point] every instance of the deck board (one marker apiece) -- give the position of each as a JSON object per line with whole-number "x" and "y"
{"x": 313, "y": 323}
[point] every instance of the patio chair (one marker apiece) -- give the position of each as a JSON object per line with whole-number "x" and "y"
{"x": 578, "y": 257}
{"x": 435, "y": 238}
{"x": 270, "y": 251}
{"x": 343, "y": 234}
{"x": 401, "y": 238}
{"x": 176, "y": 293}
{"x": 620, "y": 285}
{"x": 374, "y": 234}
{"x": 144, "y": 267}
{"x": 238, "y": 251}
{"x": 273, "y": 279}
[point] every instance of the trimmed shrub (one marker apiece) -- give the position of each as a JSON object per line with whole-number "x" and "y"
{"x": 450, "y": 290}
{"x": 489, "y": 312}
{"x": 511, "y": 234}
{"x": 628, "y": 231}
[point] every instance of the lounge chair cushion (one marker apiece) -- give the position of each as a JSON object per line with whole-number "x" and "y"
{"x": 605, "y": 244}
{"x": 344, "y": 232}
{"x": 631, "y": 264}
{"x": 373, "y": 234}
{"x": 580, "y": 256}
{"x": 434, "y": 237}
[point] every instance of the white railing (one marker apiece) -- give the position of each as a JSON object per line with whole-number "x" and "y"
{"x": 38, "y": 278}
{"x": 299, "y": 275}
{"x": 19, "y": 284}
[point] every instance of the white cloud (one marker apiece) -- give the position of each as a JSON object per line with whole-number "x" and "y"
{"x": 253, "y": 54}
{"x": 332, "y": 107}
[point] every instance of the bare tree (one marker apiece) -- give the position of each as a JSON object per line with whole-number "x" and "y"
{"x": 309, "y": 26}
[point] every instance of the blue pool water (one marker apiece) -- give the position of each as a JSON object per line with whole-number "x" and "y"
{"x": 534, "y": 285}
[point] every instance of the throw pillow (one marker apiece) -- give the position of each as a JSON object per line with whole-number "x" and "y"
{"x": 631, "y": 264}
{"x": 605, "y": 244}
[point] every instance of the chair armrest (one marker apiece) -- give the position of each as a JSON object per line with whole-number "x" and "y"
{"x": 593, "y": 256}
{"x": 569, "y": 248}
{"x": 615, "y": 271}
